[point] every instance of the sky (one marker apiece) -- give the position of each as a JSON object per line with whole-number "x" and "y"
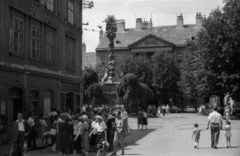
{"x": 162, "y": 12}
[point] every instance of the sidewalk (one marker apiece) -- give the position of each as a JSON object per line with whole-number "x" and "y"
{"x": 4, "y": 149}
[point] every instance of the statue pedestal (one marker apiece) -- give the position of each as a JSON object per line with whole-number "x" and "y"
{"x": 110, "y": 92}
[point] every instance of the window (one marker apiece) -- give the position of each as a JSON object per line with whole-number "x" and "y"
{"x": 179, "y": 57}
{"x": 104, "y": 60}
{"x": 35, "y": 43}
{"x": 70, "y": 53}
{"x": 16, "y": 36}
{"x": 49, "y": 47}
{"x": 50, "y": 4}
{"x": 34, "y": 97}
{"x": 70, "y": 12}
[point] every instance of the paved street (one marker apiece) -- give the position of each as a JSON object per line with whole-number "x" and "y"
{"x": 170, "y": 136}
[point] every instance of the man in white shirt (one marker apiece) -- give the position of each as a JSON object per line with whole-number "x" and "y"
{"x": 215, "y": 119}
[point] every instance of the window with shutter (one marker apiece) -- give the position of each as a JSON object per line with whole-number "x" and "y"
{"x": 16, "y": 38}
{"x": 35, "y": 43}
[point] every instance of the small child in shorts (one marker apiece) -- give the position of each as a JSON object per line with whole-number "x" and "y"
{"x": 196, "y": 135}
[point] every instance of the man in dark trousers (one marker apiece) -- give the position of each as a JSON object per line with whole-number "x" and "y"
{"x": 20, "y": 130}
{"x": 111, "y": 127}
{"x": 215, "y": 120}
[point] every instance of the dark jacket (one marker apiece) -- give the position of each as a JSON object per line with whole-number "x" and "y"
{"x": 14, "y": 133}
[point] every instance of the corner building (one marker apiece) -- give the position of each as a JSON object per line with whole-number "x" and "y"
{"x": 40, "y": 57}
{"x": 146, "y": 39}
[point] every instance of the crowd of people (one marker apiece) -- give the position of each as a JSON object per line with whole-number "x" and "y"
{"x": 72, "y": 133}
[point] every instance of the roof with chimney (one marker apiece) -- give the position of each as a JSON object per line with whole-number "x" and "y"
{"x": 172, "y": 34}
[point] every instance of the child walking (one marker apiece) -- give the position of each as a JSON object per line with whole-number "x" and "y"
{"x": 228, "y": 133}
{"x": 196, "y": 135}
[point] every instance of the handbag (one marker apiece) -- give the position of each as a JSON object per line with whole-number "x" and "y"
{"x": 52, "y": 132}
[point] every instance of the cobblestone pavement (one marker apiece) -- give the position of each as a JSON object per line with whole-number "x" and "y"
{"x": 170, "y": 135}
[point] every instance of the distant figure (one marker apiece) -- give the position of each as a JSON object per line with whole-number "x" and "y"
{"x": 163, "y": 110}
{"x": 32, "y": 134}
{"x": 196, "y": 135}
{"x": 140, "y": 118}
{"x": 167, "y": 109}
{"x": 44, "y": 129}
{"x": 228, "y": 133}
{"x": 158, "y": 111}
{"x": 227, "y": 111}
{"x": 145, "y": 119}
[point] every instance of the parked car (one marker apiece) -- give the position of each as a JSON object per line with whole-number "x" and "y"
{"x": 189, "y": 109}
{"x": 174, "y": 109}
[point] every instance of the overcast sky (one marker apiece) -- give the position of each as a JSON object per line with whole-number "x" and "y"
{"x": 163, "y": 12}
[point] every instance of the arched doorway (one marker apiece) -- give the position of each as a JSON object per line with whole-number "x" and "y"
{"x": 70, "y": 101}
{"x": 15, "y": 95}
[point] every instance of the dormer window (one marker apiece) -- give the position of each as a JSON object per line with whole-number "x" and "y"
{"x": 118, "y": 42}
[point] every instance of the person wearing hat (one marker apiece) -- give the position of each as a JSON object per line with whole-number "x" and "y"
{"x": 100, "y": 130}
{"x": 215, "y": 120}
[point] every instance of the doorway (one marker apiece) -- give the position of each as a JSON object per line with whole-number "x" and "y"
{"x": 15, "y": 94}
{"x": 70, "y": 101}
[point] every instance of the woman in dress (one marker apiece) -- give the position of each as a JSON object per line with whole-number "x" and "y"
{"x": 140, "y": 118}
{"x": 77, "y": 136}
{"x": 44, "y": 129}
{"x": 93, "y": 137}
{"x": 101, "y": 135}
{"x": 145, "y": 121}
{"x": 63, "y": 144}
{"x": 85, "y": 133}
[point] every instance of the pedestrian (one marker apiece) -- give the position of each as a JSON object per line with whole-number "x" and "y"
{"x": 150, "y": 110}
{"x": 228, "y": 133}
{"x": 140, "y": 118}
{"x": 101, "y": 135}
{"x": 85, "y": 133}
{"x": 145, "y": 120}
{"x": 77, "y": 138}
{"x": 163, "y": 110}
{"x": 44, "y": 129}
{"x": 159, "y": 111}
{"x": 196, "y": 135}
{"x": 111, "y": 128}
{"x": 119, "y": 134}
{"x": 54, "y": 137}
{"x": 19, "y": 133}
{"x": 124, "y": 116}
{"x": 227, "y": 111}
{"x": 93, "y": 136}
{"x": 167, "y": 109}
{"x": 63, "y": 144}
{"x": 154, "y": 111}
{"x": 215, "y": 120}
{"x": 33, "y": 132}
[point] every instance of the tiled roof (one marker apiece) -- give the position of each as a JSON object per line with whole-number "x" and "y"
{"x": 89, "y": 59}
{"x": 177, "y": 36}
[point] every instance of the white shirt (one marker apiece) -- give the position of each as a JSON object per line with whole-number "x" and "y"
{"x": 21, "y": 126}
{"x": 100, "y": 126}
{"x": 31, "y": 121}
{"x": 144, "y": 115}
{"x": 215, "y": 117}
{"x": 124, "y": 114}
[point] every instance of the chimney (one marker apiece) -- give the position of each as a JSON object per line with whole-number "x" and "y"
{"x": 150, "y": 24}
{"x": 100, "y": 35}
{"x": 139, "y": 24}
{"x": 120, "y": 25}
{"x": 199, "y": 20}
{"x": 145, "y": 24}
{"x": 83, "y": 47}
{"x": 180, "y": 21}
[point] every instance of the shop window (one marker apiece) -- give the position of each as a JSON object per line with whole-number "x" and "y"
{"x": 16, "y": 38}
{"x": 34, "y": 99}
{"x": 35, "y": 43}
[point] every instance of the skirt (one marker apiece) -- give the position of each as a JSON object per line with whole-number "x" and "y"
{"x": 140, "y": 120}
{"x": 100, "y": 137}
{"x": 77, "y": 145}
{"x": 228, "y": 134}
{"x": 145, "y": 122}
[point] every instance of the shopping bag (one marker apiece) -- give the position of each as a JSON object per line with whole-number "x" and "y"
{"x": 52, "y": 132}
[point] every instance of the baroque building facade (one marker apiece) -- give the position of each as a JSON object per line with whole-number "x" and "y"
{"x": 147, "y": 39}
{"x": 40, "y": 57}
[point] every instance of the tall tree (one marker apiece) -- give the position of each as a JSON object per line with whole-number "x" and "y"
{"x": 166, "y": 75}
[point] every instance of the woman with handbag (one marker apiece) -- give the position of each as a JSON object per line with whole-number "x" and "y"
{"x": 100, "y": 131}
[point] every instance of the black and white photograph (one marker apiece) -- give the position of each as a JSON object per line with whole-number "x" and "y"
{"x": 119, "y": 77}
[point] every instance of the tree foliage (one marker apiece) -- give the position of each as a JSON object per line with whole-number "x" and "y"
{"x": 166, "y": 75}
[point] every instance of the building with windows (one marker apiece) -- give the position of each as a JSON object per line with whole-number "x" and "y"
{"x": 146, "y": 39}
{"x": 40, "y": 58}
{"x": 88, "y": 58}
